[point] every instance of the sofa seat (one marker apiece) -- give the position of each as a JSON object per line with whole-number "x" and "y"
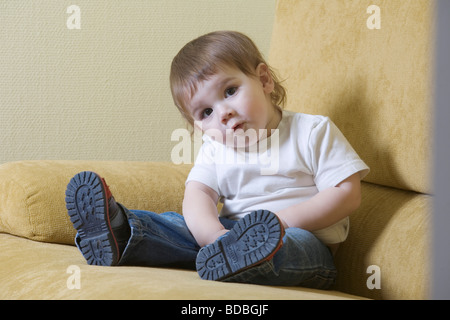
{"x": 38, "y": 259}
{"x": 37, "y": 270}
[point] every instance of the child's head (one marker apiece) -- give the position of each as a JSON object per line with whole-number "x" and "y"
{"x": 201, "y": 58}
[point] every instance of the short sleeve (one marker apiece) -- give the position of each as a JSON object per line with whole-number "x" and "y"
{"x": 332, "y": 157}
{"x": 204, "y": 169}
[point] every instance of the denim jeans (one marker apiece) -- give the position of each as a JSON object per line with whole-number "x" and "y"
{"x": 164, "y": 240}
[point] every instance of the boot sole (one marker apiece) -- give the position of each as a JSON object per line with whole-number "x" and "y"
{"x": 88, "y": 210}
{"x": 253, "y": 240}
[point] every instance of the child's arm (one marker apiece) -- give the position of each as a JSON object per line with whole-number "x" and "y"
{"x": 200, "y": 213}
{"x": 325, "y": 208}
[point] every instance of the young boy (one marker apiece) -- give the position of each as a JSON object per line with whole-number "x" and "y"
{"x": 276, "y": 227}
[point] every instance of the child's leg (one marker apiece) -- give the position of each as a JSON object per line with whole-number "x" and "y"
{"x": 159, "y": 240}
{"x": 109, "y": 234}
{"x": 302, "y": 261}
{"x": 102, "y": 231}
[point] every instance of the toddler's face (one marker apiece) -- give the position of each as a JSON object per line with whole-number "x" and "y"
{"x": 230, "y": 105}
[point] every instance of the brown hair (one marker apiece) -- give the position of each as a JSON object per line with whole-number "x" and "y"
{"x": 204, "y": 56}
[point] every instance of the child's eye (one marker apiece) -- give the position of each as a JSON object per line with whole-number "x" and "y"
{"x": 230, "y": 91}
{"x": 207, "y": 112}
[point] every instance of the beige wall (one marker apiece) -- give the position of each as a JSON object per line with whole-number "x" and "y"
{"x": 101, "y": 92}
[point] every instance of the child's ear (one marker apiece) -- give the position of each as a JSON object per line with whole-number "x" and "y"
{"x": 262, "y": 70}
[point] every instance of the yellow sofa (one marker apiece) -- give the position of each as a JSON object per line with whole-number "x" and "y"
{"x": 373, "y": 80}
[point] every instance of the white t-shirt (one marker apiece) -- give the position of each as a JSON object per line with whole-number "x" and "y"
{"x": 306, "y": 154}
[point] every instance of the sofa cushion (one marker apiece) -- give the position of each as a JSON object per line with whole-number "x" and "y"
{"x": 387, "y": 252}
{"x": 32, "y": 193}
{"x": 37, "y": 270}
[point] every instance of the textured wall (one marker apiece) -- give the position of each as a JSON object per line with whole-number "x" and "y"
{"x": 101, "y": 92}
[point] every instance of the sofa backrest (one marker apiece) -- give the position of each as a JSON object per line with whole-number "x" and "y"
{"x": 369, "y": 69}
{"x": 367, "y": 64}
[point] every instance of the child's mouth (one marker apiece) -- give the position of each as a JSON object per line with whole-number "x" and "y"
{"x": 238, "y": 126}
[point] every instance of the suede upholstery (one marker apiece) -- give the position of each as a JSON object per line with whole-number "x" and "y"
{"x": 36, "y": 238}
{"x": 374, "y": 84}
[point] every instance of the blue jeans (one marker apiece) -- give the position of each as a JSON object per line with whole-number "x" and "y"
{"x": 164, "y": 240}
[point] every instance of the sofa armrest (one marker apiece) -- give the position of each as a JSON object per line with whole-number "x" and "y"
{"x": 32, "y": 193}
{"x": 387, "y": 252}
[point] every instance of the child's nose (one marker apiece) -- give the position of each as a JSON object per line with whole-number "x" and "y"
{"x": 226, "y": 113}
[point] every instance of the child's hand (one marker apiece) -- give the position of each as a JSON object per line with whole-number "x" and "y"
{"x": 200, "y": 213}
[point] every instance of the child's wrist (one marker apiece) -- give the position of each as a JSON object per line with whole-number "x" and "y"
{"x": 217, "y": 235}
